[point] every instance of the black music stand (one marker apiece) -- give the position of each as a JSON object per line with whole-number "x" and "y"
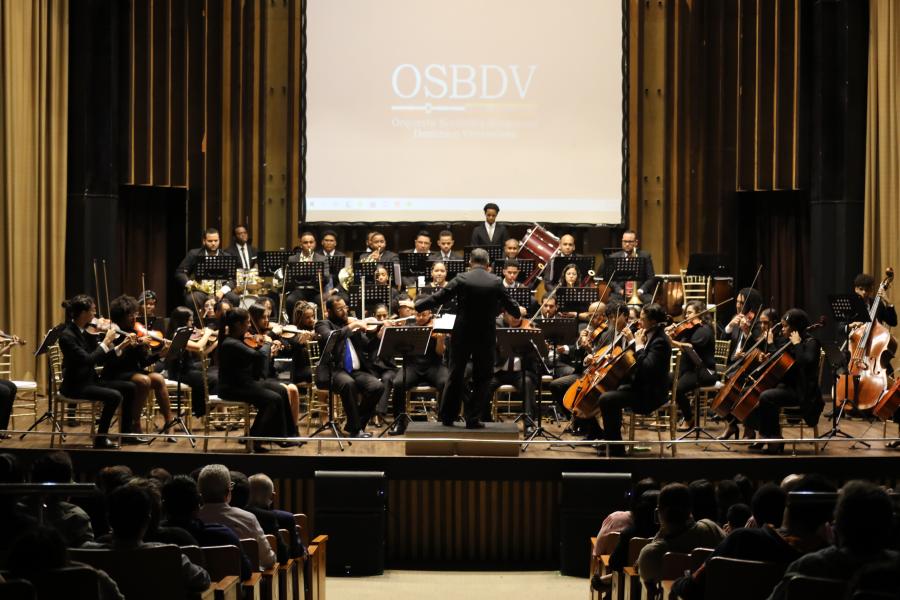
{"x": 577, "y": 299}
{"x": 697, "y": 430}
{"x": 335, "y": 264}
{"x": 304, "y": 274}
{"x": 270, "y": 261}
{"x": 709, "y": 265}
{"x": 556, "y": 331}
{"x": 178, "y": 350}
{"x": 329, "y": 356}
{"x": 584, "y": 263}
{"x": 625, "y": 268}
{"x": 495, "y": 252}
{"x": 522, "y": 296}
{"x": 526, "y": 266}
{"x": 218, "y": 268}
{"x": 367, "y": 270}
{"x": 455, "y": 267}
{"x": 49, "y": 340}
{"x": 845, "y": 308}
{"x": 414, "y": 264}
{"x": 521, "y": 342}
{"x": 406, "y": 342}
{"x": 375, "y": 294}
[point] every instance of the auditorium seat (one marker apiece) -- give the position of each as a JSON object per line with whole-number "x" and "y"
{"x": 71, "y": 583}
{"x": 224, "y": 566}
{"x": 627, "y": 583}
{"x": 17, "y": 589}
{"x": 801, "y": 587}
{"x": 674, "y": 565}
{"x": 315, "y": 567}
{"x": 269, "y": 587}
{"x": 740, "y": 579}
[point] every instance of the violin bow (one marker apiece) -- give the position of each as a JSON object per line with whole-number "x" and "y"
{"x": 144, "y": 303}
{"x": 106, "y": 284}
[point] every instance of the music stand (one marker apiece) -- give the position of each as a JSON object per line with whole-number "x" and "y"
{"x": 455, "y": 267}
{"x": 335, "y": 264}
{"x": 526, "y": 266}
{"x": 577, "y": 299}
{"x": 303, "y": 274}
{"x": 328, "y": 355}
{"x": 522, "y": 295}
{"x": 178, "y": 350}
{"x": 270, "y": 261}
{"x": 709, "y": 265}
{"x": 696, "y": 430}
{"x": 520, "y": 342}
{"x": 51, "y": 337}
{"x": 406, "y": 342}
{"x": 414, "y": 263}
{"x": 367, "y": 270}
{"x": 218, "y": 268}
{"x": 584, "y": 264}
{"x": 495, "y": 252}
{"x": 375, "y": 294}
{"x": 556, "y": 331}
{"x": 625, "y": 268}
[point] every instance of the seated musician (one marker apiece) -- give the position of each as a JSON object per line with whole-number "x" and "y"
{"x": 189, "y": 371}
{"x": 271, "y": 346}
{"x": 197, "y": 292}
{"x": 8, "y": 389}
{"x": 511, "y": 248}
{"x": 864, "y": 286}
{"x": 511, "y": 273}
{"x": 383, "y": 279}
{"x": 646, "y": 281}
{"x": 241, "y": 370}
{"x": 561, "y": 358}
{"x": 147, "y": 303}
{"x": 304, "y": 320}
{"x": 800, "y": 386}
{"x": 378, "y": 250}
{"x": 570, "y": 278}
{"x": 241, "y": 248}
{"x": 349, "y": 368}
{"x": 384, "y": 368}
{"x": 508, "y": 371}
{"x": 697, "y": 334}
{"x": 445, "y": 247}
{"x": 566, "y": 250}
{"x": 422, "y": 245}
{"x": 329, "y": 244}
{"x": 438, "y": 274}
{"x": 747, "y": 304}
{"x": 130, "y": 364}
{"x": 425, "y": 369}
{"x": 308, "y": 289}
{"x": 489, "y": 233}
{"x": 648, "y": 384}
{"x": 82, "y": 352}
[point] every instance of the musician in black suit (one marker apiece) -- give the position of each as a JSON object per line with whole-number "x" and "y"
{"x": 350, "y": 367}
{"x": 184, "y": 273}
{"x": 422, "y": 245}
{"x": 445, "y": 249}
{"x": 691, "y": 376}
{"x": 508, "y": 371}
{"x": 241, "y": 370}
{"x": 479, "y": 294}
{"x": 649, "y": 379}
{"x": 241, "y": 248}
{"x": 379, "y": 251}
{"x": 800, "y": 386}
{"x": 646, "y": 280}
{"x": 82, "y": 352}
{"x": 743, "y": 329}
{"x": 489, "y": 233}
{"x": 308, "y": 290}
{"x": 511, "y": 273}
{"x": 329, "y": 244}
{"x": 566, "y": 250}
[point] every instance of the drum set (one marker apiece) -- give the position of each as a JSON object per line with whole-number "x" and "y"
{"x": 251, "y": 286}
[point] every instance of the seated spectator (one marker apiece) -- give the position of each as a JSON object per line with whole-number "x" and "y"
{"x": 703, "y": 500}
{"x": 215, "y": 488}
{"x": 39, "y": 552}
{"x": 678, "y": 531}
{"x": 862, "y": 521}
{"x": 746, "y": 486}
{"x": 768, "y": 506}
{"x": 107, "y": 480}
{"x": 618, "y": 521}
{"x": 181, "y": 503}
{"x": 71, "y": 521}
{"x": 130, "y": 509}
{"x": 15, "y": 520}
{"x": 164, "y": 534}
{"x": 240, "y": 497}
{"x": 643, "y": 525}
{"x": 160, "y": 475}
{"x": 727, "y": 495}
{"x": 262, "y": 497}
{"x": 802, "y": 531}
{"x": 737, "y": 517}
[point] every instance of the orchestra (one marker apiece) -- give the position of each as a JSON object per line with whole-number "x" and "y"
{"x": 619, "y": 356}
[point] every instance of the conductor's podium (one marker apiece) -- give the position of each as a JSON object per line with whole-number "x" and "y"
{"x": 461, "y": 441}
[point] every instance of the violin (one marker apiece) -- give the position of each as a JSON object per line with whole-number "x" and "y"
{"x": 677, "y": 329}
{"x": 256, "y": 340}
{"x": 289, "y": 332}
{"x": 198, "y": 333}
{"x": 156, "y": 338}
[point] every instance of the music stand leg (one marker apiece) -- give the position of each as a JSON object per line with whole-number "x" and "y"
{"x": 331, "y": 425}
{"x": 539, "y": 430}
{"x": 837, "y": 414}
{"x": 55, "y": 427}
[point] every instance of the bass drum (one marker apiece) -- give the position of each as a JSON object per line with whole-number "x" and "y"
{"x": 671, "y": 294}
{"x": 539, "y": 245}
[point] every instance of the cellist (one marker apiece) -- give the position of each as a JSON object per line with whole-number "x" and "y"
{"x": 800, "y": 386}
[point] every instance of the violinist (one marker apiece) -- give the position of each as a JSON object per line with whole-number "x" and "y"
{"x": 349, "y": 368}
{"x": 508, "y": 371}
{"x": 424, "y": 369}
{"x": 271, "y": 346}
{"x": 648, "y": 385}
{"x": 697, "y": 333}
{"x": 241, "y": 372}
{"x": 741, "y": 329}
{"x": 800, "y": 386}
{"x": 192, "y": 373}
{"x": 562, "y": 357}
{"x": 304, "y": 320}
{"x": 384, "y": 369}
{"x": 8, "y": 389}
{"x": 82, "y": 352}
{"x": 147, "y": 302}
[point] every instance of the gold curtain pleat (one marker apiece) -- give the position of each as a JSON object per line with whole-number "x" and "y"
{"x": 34, "y": 50}
{"x": 882, "y": 194}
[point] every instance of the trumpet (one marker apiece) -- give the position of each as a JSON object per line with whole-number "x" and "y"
{"x": 304, "y": 257}
{"x": 374, "y": 256}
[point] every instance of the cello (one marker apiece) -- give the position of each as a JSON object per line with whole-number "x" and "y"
{"x": 608, "y": 367}
{"x": 867, "y": 377}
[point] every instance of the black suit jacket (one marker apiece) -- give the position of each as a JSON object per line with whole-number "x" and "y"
{"x": 480, "y": 235}
{"x": 326, "y": 272}
{"x": 386, "y": 256}
{"x": 232, "y": 250}
{"x": 269, "y": 524}
{"x": 360, "y": 343}
{"x": 479, "y": 296}
{"x": 650, "y": 376}
{"x": 188, "y": 265}
{"x": 647, "y": 277}
{"x": 81, "y": 353}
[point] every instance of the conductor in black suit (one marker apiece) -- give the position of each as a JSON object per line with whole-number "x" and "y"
{"x": 479, "y": 296}
{"x": 489, "y": 233}
{"x": 646, "y": 280}
{"x": 186, "y": 271}
{"x": 241, "y": 249}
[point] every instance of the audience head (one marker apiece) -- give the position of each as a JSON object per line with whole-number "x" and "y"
{"x": 214, "y": 484}
{"x": 805, "y": 515}
{"x": 644, "y": 485}
{"x": 240, "y": 489}
{"x": 181, "y": 499}
{"x": 703, "y": 500}
{"x": 112, "y": 477}
{"x": 35, "y": 552}
{"x": 862, "y": 517}
{"x": 768, "y": 505}
{"x": 747, "y": 487}
{"x": 151, "y": 487}
{"x": 53, "y": 467}
{"x": 262, "y": 490}
{"x": 674, "y": 505}
{"x": 130, "y": 512}
{"x": 643, "y": 511}
{"x": 727, "y": 494}
{"x": 159, "y": 476}
{"x": 737, "y": 516}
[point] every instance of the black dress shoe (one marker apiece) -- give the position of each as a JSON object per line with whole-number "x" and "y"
{"x": 104, "y": 443}
{"x": 774, "y": 449}
{"x": 447, "y": 422}
{"x": 289, "y": 444}
{"x": 474, "y": 424}
{"x": 135, "y": 441}
{"x": 398, "y": 428}
{"x": 757, "y": 447}
{"x": 260, "y": 448}
{"x": 360, "y": 434}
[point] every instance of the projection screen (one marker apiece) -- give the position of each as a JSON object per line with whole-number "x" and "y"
{"x": 425, "y": 110}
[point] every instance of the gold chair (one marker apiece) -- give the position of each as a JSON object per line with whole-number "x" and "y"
{"x": 723, "y": 348}
{"x": 795, "y": 413}
{"x": 508, "y": 402}
{"x": 25, "y": 402}
{"x": 695, "y": 287}
{"x": 59, "y": 402}
{"x": 227, "y": 410}
{"x": 420, "y": 393}
{"x": 666, "y": 416}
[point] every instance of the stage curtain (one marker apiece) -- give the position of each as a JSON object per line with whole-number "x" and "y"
{"x": 34, "y": 46}
{"x": 882, "y": 195}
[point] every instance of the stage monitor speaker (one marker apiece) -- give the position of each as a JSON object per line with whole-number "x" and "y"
{"x": 351, "y": 509}
{"x": 587, "y": 498}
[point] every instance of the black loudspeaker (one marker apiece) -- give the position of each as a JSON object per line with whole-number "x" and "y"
{"x": 587, "y": 498}
{"x": 351, "y": 509}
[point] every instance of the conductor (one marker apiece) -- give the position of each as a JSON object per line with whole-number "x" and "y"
{"x": 479, "y": 296}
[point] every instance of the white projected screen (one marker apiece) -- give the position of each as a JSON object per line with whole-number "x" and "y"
{"x": 425, "y": 110}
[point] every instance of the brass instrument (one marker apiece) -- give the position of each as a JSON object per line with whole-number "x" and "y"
{"x": 635, "y": 299}
{"x": 345, "y": 275}
{"x": 205, "y": 286}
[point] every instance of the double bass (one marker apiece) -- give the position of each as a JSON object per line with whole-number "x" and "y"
{"x": 867, "y": 378}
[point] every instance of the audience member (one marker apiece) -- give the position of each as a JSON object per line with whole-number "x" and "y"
{"x": 643, "y": 525}
{"x": 703, "y": 500}
{"x": 618, "y": 521}
{"x": 240, "y": 498}
{"x": 737, "y": 517}
{"x": 727, "y": 495}
{"x": 163, "y": 534}
{"x": 678, "y": 531}
{"x": 747, "y": 487}
{"x": 215, "y": 488}
{"x": 70, "y": 520}
{"x": 768, "y": 505}
{"x": 16, "y": 520}
{"x": 262, "y": 496}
